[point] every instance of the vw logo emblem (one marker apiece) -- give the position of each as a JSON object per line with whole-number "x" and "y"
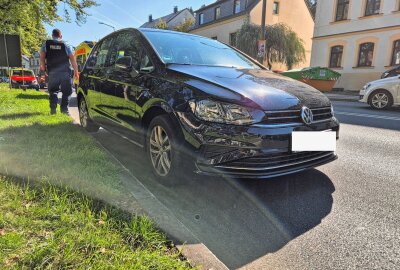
{"x": 307, "y": 115}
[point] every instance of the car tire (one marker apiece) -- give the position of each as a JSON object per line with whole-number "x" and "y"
{"x": 164, "y": 149}
{"x": 380, "y": 100}
{"x": 84, "y": 117}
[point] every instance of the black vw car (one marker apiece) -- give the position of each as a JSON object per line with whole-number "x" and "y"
{"x": 193, "y": 101}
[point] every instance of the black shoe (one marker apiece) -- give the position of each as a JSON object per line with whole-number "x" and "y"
{"x": 65, "y": 112}
{"x": 53, "y": 111}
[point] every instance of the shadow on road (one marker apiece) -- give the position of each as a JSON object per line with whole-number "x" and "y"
{"x": 239, "y": 220}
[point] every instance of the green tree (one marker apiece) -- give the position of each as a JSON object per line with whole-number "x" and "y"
{"x": 246, "y": 39}
{"x": 184, "y": 26}
{"x": 27, "y": 18}
{"x": 161, "y": 24}
{"x": 282, "y": 44}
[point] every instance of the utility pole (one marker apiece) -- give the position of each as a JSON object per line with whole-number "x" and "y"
{"x": 263, "y": 19}
{"x": 261, "y": 42}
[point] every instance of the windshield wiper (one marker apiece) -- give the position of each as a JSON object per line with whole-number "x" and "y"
{"x": 184, "y": 64}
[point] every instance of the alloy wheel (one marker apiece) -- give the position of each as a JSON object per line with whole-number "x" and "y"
{"x": 380, "y": 100}
{"x": 83, "y": 114}
{"x": 160, "y": 151}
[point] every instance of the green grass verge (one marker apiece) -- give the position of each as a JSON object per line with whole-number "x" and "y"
{"x": 37, "y": 145}
{"x": 49, "y": 227}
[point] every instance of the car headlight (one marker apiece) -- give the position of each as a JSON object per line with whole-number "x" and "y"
{"x": 227, "y": 113}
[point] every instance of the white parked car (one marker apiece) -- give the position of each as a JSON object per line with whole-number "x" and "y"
{"x": 381, "y": 94}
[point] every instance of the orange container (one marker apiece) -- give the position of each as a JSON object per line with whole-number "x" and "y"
{"x": 321, "y": 85}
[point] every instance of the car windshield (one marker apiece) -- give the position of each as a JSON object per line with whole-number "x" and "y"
{"x": 20, "y": 72}
{"x": 175, "y": 48}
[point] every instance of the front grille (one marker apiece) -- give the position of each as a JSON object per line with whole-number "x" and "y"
{"x": 274, "y": 164}
{"x": 294, "y": 116}
{"x": 322, "y": 114}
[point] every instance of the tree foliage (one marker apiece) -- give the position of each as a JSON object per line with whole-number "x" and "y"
{"x": 161, "y": 24}
{"x": 184, "y": 26}
{"x": 282, "y": 44}
{"x": 246, "y": 39}
{"x": 27, "y": 18}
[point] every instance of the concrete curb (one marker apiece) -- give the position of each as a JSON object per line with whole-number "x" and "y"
{"x": 342, "y": 97}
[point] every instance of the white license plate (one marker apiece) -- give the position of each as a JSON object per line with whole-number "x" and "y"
{"x": 313, "y": 141}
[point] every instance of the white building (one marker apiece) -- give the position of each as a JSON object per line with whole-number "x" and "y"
{"x": 358, "y": 38}
{"x": 174, "y": 19}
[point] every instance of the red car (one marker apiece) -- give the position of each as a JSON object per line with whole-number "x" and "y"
{"x": 23, "y": 78}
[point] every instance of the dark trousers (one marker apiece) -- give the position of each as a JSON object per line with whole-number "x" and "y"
{"x": 60, "y": 81}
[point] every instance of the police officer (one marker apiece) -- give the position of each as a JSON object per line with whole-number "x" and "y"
{"x": 59, "y": 57}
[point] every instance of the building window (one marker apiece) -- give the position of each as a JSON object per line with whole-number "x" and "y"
{"x": 217, "y": 13}
{"x": 201, "y": 18}
{"x": 236, "y": 8}
{"x": 342, "y": 9}
{"x": 336, "y": 57}
{"x": 396, "y": 53}
{"x": 366, "y": 54}
{"x": 372, "y": 7}
{"x": 232, "y": 39}
{"x": 275, "y": 9}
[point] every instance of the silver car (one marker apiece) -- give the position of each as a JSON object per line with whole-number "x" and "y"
{"x": 381, "y": 94}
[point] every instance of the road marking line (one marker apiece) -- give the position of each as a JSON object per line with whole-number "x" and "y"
{"x": 369, "y": 116}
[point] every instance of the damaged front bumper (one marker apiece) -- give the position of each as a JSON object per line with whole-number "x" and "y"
{"x": 255, "y": 151}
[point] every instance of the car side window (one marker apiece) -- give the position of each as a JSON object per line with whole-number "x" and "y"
{"x": 126, "y": 45}
{"x": 146, "y": 65}
{"x": 98, "y": 57}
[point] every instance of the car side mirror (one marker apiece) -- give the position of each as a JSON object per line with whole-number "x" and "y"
{"x": 124, "y": 62}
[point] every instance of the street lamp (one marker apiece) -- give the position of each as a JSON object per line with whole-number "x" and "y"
{"x": 108, "y": 25}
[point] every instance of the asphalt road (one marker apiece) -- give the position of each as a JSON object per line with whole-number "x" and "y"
{"x": 344, "y": 215}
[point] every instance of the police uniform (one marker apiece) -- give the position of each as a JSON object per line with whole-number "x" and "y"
{"x": 59, "y": 71}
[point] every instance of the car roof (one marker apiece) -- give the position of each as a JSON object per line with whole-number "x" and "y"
{"x": 165, "y": 31}
{"x": 144, "y": 30}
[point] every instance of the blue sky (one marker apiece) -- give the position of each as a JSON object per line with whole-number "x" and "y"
{"x": 121, "y": 14}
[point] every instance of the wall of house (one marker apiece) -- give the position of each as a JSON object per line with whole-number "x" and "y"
{"x": 227, "y": 8}
{"x": 185, "y": 14}
{"x": 296, "y": 15}
{"x": 382, "y": 29}
{"x": 222, "y": 29}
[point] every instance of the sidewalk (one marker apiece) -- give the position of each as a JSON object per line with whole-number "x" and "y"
{"x": 351, "y": 96}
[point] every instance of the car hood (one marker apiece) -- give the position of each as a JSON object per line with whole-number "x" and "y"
{"x": 386, "y": 80}
{"x": 268, "y": 90}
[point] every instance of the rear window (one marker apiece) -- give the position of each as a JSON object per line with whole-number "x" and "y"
{"x": 22, "y": 73}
